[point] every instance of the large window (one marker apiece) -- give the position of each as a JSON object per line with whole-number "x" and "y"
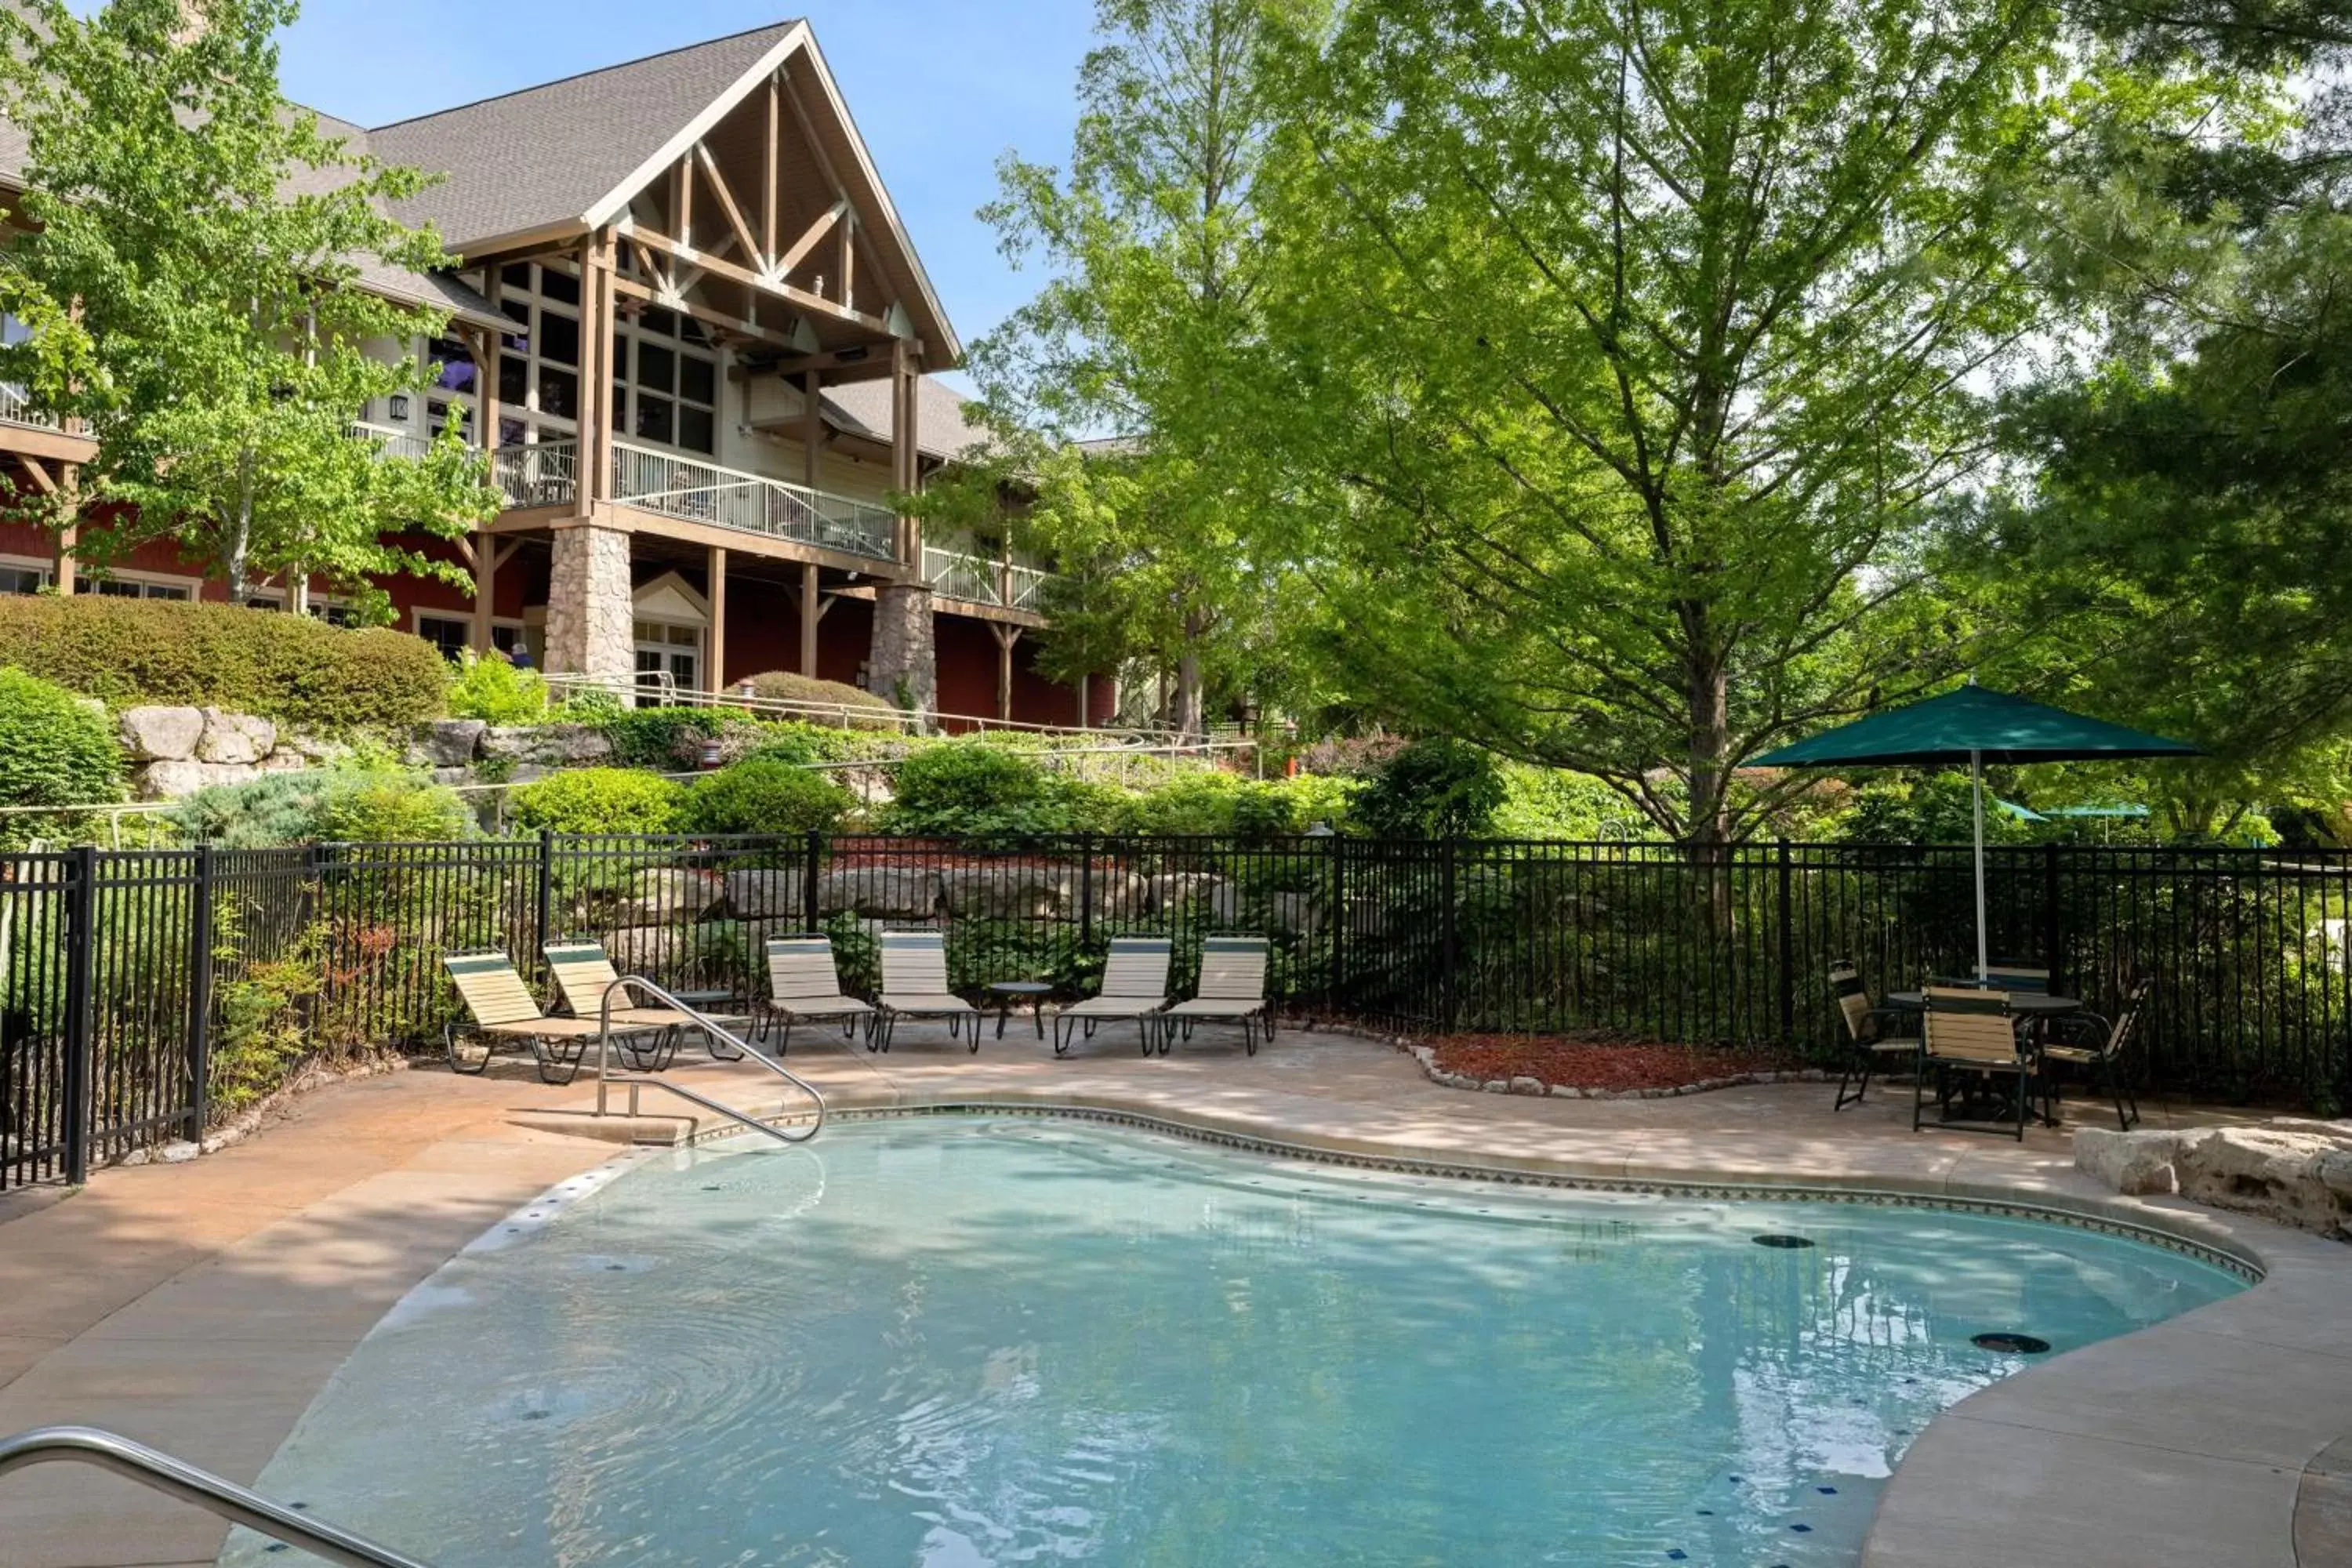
{"x": 665, "y": 368}
{"x": 665, "y": 389}
{"x": 539, "y": 375}
{"x": 143, "y": 588}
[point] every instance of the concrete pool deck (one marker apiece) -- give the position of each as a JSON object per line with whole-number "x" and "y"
{"x": 200, "y": 1306}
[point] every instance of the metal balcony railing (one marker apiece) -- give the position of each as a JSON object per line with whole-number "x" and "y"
{"x": 984, "y": 579}
{"x": 393, "y": 440}
{"x": 16, "y": 409}
{"x": 693, "y": 491}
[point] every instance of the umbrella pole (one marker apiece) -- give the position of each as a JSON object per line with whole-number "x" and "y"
{"x": 1976, "y": 777}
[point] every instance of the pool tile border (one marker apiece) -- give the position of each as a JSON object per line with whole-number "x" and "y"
{"x": 2245, "y": 1264}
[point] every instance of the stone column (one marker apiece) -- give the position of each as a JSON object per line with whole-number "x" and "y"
{"x": 591, "y": 604}
{"x": 903, "y": 662}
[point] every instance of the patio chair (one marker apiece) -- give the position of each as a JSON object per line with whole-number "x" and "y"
{"x": 915, "y": 985}
{"x": 1134, "y": 986}
{"x": 803, "y": 987}
{"x": 1232, "y": 990}
{"x": 583, "y": 974}
{"x": 2017, "y": 977}
{"x": 501, "y": 1006}
{"x": 1968, "y": 1033}
{"x": 1873, "y": 1035}
{"x": 2088, "y": 1042}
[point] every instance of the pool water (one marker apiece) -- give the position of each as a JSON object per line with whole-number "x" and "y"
{"x": 965, "y": 1342}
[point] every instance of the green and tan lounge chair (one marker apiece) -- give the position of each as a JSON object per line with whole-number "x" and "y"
{"x": 584, "y": 974}
{"x": 1134, "y": 986}
{"x": 915, "y": 985}
{"x": 803, "y": 987}
{"x": 1232, "y": 990}
{"x": 502, "y": 1007}
{"x": 1878, "y": 1039}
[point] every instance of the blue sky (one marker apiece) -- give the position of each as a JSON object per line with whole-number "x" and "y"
{"x": 941, "y": 87}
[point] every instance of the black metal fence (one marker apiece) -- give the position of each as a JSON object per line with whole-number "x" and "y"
{"x": 144, "y": 995}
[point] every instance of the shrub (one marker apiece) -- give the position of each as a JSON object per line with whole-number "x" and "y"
{"x": 364, "y": 800}
{"x": 1436, "y": 788}
{"x": 765, "y": 796}
{"x": 495, "y": 691}
{"x": 291, "y": 669}
{"x": 55, "y": 750}
{"x": 377, "y": 805}
{"x": 782, "y": 686}
{"x": 599, "y": 800}
{"x": 1553, "y": 803}
{"x": 671, "y": 738}
{"x": 965, "y": 786}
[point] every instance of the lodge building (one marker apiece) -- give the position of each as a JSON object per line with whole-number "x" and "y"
{"x": 697, "y": 347}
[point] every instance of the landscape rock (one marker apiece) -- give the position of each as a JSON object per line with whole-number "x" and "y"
{"x": 764, "y": 892}
{"x": 446, "y": 742}
{"x": 1523, "y": 1085}
{"x": 1174, "y": 889}
{"x": 2134, "y": 1163}
{"x": 887, "y": 891}
{"x": 157, "y": 734}
{"x": 312, "y": 749}
{"x": 235, "y": 737}
{"x": 175, "y": 778}
{"x": 646, "y": 949}
{"x": 2292, "y": 1169}
{"x": 548, "y": 745}
{"x": 667, "y": 893}
{"x": 1009, "y": 889}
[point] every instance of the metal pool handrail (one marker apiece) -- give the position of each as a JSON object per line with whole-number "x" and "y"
{"x": 715, "y": 1030}
{"x": 177, "y": 1478}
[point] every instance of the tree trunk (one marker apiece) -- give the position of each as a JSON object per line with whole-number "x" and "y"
{"x": 1711, "y": 786}
{"x": 1189, "y": 725}
{"x": 240, "y": 539}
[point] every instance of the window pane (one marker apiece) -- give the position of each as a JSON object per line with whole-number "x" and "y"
{"x": 560, "y": 286}
{"x": 457, "y": 372}
{"x": 449, "y": 635}
{"x": 158, "y": 591}
{"x": 514, "y": 380}
{"x": 656, "y": 367}
{"x": 661, "y": 322}
{"x": 22, "y": 580}
{"x": 692, "y": 330}
{"x": 516, "y": 275}
{"x": 512, "y": 432}
{"x": 698, "y": 379}
{"x": 653, "y": 417}
{"x": 558, "y": 338}
{"x": 559, "y": 392}
{"x": 694, "y": 430}
{"x": 115, "y": 588}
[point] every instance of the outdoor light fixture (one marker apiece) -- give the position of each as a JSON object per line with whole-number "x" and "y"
{"x": 1321, "y": 830}
{"x": 399, "y": 409}
{"x": 711, "y": 754}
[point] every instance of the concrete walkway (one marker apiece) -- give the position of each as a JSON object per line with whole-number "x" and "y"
{"x": 200, "y": 1306}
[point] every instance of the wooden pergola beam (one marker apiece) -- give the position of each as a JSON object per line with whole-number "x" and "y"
{"x": 734, "y": 214}
{"x": 798, "y": 250}
{"x": 706, "y": 261}
{"x": 629, "y": 288}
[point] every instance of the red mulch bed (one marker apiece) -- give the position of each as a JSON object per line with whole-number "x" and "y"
{"x": 1602, "y": 1061}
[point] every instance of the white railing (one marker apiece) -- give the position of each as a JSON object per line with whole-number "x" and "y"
{"x": 394, "y": 441}
{"x": 545, "y": 474}
{"x": 693, "y": 490}
{"x": 984, "y": 579}
{"x": 16, "y": 409}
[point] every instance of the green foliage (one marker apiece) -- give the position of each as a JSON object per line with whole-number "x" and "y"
{"x": 261, "y": 1037}
{"x": 764, "y": 795}
{"x": 670, "y": 739}
{"x": 1436, "y": 788}
{"x": 778, "y": 685}
{"x": 599, "y": 800}
{"x": 189, "y": 276}
{"x": 495, "y": 691}
{"x": 1553, "y": 802}
{"x": 363, "y": 799}
{"x": 1937, "y": 808}
{"x": 795, "y": 740}
{"x": 293, "y": 669}
{"x": 975, "y": 787}
{"x": 54, "y": 751}
{"x": 1224, "y": 804}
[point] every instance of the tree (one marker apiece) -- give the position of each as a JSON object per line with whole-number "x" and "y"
{"x": 1145, "y": 330}
{"x": 1628, "y": 354}
{"x": 190, "y": 277}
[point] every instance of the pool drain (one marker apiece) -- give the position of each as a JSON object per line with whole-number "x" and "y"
{"x": 2014, "y": 1344}
{"x": 1784, "y": 1241}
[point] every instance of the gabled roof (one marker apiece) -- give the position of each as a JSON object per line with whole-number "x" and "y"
{"x": 544, "y": 156}
{"x": 942, "y": 429}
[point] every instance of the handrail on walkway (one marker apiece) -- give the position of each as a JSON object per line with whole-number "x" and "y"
{"x": 159, "y": 1471}
{"x": 711, "y": 1028}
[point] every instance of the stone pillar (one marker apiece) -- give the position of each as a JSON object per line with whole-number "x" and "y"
{"x": 591, "y": 604}
{"x": 903, "y": 663}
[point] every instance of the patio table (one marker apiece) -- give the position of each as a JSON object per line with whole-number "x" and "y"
{"x": 2032, "y": 1007}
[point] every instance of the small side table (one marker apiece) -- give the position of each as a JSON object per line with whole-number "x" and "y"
{"x": 1007, "y": 991}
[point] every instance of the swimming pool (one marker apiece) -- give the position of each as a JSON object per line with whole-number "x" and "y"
{"x": 957, "y": 1341}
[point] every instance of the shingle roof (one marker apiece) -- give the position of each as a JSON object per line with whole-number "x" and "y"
{"x": 547, "y": 154}
{"x": 943, "y": 425}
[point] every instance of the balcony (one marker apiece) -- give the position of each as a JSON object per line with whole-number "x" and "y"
{"x": 16, "y": 408}
{"x": 394, "y": 441}
{"x": 693, "y": 490}
{"x": 984, "y": 580}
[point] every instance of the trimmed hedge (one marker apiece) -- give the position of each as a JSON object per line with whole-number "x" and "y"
{"x": 599, "y": 800}
{"x": 55, "y": 750}
{"x": 290, "y": 668}
{"x": 783, "y": 686}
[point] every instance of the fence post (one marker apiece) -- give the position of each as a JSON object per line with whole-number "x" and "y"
{"x": 546, "y": 894}
{"x": 2051, "y": 956}
{"x": 1337, "y": 918}
{"x": 811, "y": 869}
{"x": 1085, "y": 891}
{"x": 1787, "y": 906}
{"x": 81, "y": 947}
{"x": 200, "y": 996}
{"x": 1448, "y": 938}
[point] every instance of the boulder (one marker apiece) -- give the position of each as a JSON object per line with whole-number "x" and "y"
{"x": 549, "y": 745}
{"x": 2137, "y": 1163}
{"x": 645, "y": 949}
{"x": 173, "y": 780}
{"x": 235, "y": 737}
{"x": 887, "y": 889}
{"x": 1012, "y": 889}
{"x": 765, "y": 892}
{"x": 665, "y": 894}
{"x": 1174, "y": 889}
{"x": 1295, "y": 912}
{"x": 1118, "y": 895}
{"x": 312, "y": 749}
{"x": 153, "y": 734}
{"x": 446, "y": 742}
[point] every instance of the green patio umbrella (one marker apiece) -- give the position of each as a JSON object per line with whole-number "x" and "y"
{"x": 1977, "y": 725}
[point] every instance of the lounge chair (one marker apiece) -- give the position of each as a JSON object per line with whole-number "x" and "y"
{"x": 1873, "y": 1035}
{"x": 583, "y": 974}
{"x": 1134, "y": 986}
{"x": 2090, "y": 1042}
{"x": 1968, "y": 1033}
{"x": 915, "y": 985}
{"x": 804, "y": 986}
{"x": 502, "y": 1006}
{"x": 1232, "y": 990}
